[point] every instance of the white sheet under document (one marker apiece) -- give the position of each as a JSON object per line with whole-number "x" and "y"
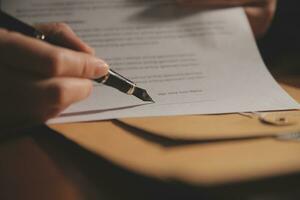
{"x": 190, "y": 61}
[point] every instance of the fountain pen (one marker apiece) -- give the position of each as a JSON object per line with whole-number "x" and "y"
{"x": 112, "y": 79}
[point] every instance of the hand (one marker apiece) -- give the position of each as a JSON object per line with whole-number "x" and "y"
{"x": 260, "y": 12}
{"x": 38, "y": 80}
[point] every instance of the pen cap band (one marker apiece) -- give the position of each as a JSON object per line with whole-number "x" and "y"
{"x": 117, "y": 81}
{"x": 39, "y": 35}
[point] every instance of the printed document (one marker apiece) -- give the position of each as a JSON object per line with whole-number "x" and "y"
{"x": 189, "y": 60}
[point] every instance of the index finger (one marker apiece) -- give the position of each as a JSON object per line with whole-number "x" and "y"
{"x": 32, "y": 55}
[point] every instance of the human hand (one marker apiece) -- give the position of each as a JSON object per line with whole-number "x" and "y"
{"x": 260, "y": 12}
{"x": 38, "y": 80}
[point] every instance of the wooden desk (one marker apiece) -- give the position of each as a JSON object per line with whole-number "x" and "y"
{"x": 40, "y": 164}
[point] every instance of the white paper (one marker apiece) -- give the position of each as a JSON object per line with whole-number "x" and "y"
{"x": 190, "y": 61}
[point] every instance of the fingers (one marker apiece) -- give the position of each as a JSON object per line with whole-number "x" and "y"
{"x": 62, "y": 92}
{"x": 259, "y": 12}
{"x": 261, "y": 17}
{"x": 27, "y": 101}
{"x": 48, "y": 60}
{"x": 39, "y": 80}
{"x": 37, "y": 101}
{"x": 62, "y": 35}
{"x": 55, "y": 95}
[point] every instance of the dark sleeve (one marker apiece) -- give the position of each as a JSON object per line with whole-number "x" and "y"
{"x": 284, "y": 33}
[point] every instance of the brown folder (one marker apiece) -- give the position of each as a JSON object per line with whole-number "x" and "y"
{"x": 199, "y": 150}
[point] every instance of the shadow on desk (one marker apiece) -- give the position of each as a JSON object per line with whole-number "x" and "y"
{"x": 48, "y": 166}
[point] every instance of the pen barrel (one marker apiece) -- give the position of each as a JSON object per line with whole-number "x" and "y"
{"x": 117, "y": 81}
{"x": 12, "y": 24}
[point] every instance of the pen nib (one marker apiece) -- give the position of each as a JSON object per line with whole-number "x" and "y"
{"x": 142, "y": 94}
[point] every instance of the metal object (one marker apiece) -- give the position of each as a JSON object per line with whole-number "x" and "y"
{"x": 293, "y": 136}
{"x": 275, "y": 119}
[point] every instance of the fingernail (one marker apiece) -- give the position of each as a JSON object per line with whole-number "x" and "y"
{"x": 101, "y": 68}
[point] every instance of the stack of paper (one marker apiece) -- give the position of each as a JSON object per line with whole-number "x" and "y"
{"x": 190, "y": 61}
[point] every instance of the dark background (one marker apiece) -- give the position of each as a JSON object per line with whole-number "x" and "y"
{"x": 283, "y": 36}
